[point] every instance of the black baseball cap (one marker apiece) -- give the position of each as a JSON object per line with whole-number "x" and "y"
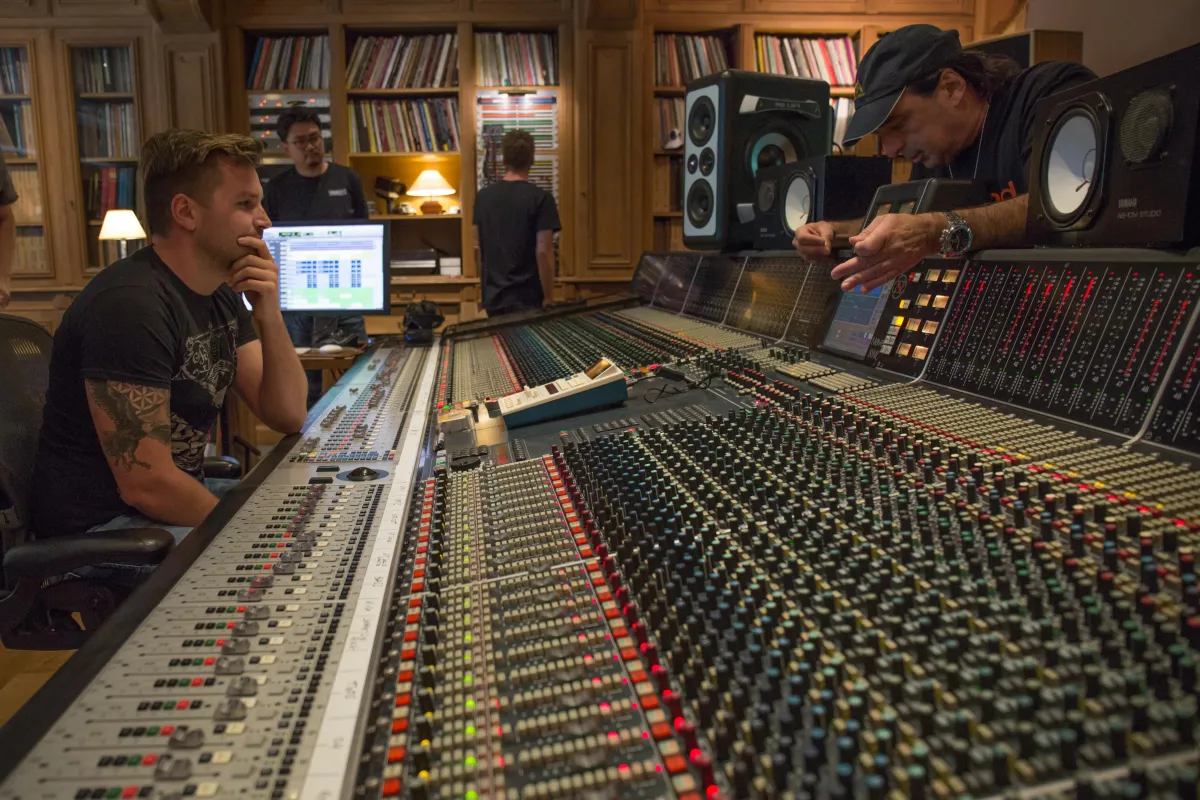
{"x": 904, "y": 56}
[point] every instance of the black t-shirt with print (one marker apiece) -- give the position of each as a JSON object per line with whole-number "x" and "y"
{"x": 1008, "y": 136}
{"x": 337, "y": 193}
{"x": 135, "y": 322}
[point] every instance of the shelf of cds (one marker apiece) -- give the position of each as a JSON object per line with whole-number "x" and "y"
{"x": 20, "y": 151}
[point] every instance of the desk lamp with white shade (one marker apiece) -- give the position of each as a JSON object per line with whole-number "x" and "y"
{"x": 431, "y": 184}
{"x": 121, "y": 225}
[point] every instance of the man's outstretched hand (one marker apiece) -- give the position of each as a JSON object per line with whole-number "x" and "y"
{"x": 891, "y": 245}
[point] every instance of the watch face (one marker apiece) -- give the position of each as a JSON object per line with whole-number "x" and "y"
{"x": 959, "y": 239}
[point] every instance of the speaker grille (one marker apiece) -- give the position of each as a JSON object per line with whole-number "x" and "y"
{"x": 797, "y": 204}
{"x": 766, "y": 196}
{"x": 1146, "y": 124}
{"x": 701, "y": 121}
{"x": 699, "y": 205}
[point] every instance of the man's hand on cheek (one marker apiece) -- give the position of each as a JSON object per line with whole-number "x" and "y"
{"x": 890, "y": 245}
{"x": 257, "y": 275}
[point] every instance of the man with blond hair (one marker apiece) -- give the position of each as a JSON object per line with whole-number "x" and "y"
{"x": 146, "y": 352}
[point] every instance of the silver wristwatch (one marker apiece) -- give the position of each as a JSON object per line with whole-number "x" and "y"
{"x": 956, "y": 238}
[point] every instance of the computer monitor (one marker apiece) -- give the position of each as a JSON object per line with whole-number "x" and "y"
{"x": 332, "y": 267}
{"x": 854, "y": 322}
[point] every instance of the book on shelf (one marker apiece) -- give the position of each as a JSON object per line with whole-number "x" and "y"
{"x": 537, "y": 114}
{"x": 31, "y": 252}
{"x": 106, "y": 188}
{"x": 107, "y": 130}
{"x": 28, "y": 208}
{"x": 17, "y": 137}
{"x": 106, "y": 252}
{"x": 516, "y": 59}
{"x": 829, "y": 59}
{"x": 103, "y": 70}
{"x": 843, "y": 110}
{"x": 404, "y": 126}
{"x": 429, "y": 61}
{"x": 289, "y": 62}
{"x": 669, "y": 122}
{"x": 682, "y": 58}
{"x": 14, "y": 71}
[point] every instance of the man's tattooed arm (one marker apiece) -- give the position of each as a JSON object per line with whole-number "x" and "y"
{"x": 127, "y": 413}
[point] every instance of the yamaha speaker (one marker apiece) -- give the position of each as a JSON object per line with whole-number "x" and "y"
{"x": 788, "y": 197}
{"x": 737, "y": 123}
{"x": 1116, "y": 161}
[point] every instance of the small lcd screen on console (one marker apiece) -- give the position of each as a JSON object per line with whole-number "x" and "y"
{"x": 855, "y": 321}
{"x": 331, "y": 266}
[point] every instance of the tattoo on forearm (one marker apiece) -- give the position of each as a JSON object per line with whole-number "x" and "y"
{"x": 132, "y": 409}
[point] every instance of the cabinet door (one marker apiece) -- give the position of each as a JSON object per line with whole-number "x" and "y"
{"x": 808, "y": 6}
{"x": 24, "y": 154}
{"x": 694, "y": 6}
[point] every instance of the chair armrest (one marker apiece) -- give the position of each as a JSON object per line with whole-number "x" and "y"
{"x": 222, "y": 467}
{"x": 50, "y": 557}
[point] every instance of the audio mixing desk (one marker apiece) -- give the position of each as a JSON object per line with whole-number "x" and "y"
{"x": 829, "y": 552}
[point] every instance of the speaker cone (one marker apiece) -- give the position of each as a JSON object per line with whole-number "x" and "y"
{"x": 1070, "y": 166}
{"x": 797, "y": 204}
{"x": 700, "y": 203}
{"x": 766, "y": 196}
{"x": 772, "y": 148}
{"x": 702, "y": 121}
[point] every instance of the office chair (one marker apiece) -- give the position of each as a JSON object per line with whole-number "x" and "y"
{"x": 37, "y": 605}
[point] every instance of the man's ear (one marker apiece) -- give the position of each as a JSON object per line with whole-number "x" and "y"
{"x": 184, "y": 211}
{"x": 954, "y": 86}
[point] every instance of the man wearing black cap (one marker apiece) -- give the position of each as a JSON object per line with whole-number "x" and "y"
{"x": 954, "y": 114}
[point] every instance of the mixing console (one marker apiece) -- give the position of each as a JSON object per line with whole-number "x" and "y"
{"x": 794, "y": 575}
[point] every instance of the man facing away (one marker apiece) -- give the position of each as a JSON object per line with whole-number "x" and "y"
{"x": 314, "y": 189}
{"x": 514, "y": 224}
{"x": 146, "y": 352}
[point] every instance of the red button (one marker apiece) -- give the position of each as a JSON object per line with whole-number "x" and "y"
{"x": 391, "y": 787}
{"x": 676, "y": 764}
{"x": 660, "y": 730}
{"x": 395, "y": 754}
{"x": 148, "y": 761}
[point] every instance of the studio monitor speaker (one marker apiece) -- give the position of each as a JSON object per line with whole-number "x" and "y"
{"x": 790, "y": 196}
{"x": 737, "y": 123}
{"x": 1116, "y": 161}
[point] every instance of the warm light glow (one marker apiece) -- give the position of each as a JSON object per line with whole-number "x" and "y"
{"x": 121, "y": 223}
{"x": 430, "y": 183}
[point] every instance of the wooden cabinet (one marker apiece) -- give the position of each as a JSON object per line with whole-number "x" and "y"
{"x": 103, "y": 97}
{"x": 694, "y": 6}
{"x": 920, "y": 6}
{"x": 27, "y": 150}
{"x": 808, "y": 6}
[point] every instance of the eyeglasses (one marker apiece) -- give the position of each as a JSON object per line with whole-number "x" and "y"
{"x": 308, "y": 141}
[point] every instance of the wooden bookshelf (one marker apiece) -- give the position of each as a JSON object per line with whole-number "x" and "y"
{"x": 21, "y": 147}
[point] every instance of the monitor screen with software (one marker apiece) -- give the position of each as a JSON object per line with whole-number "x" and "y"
{"x": 332, "y": 267}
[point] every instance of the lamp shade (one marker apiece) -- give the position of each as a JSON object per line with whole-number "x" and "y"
{"x": 430, "y": 183}
{"x": 121, "y": 224}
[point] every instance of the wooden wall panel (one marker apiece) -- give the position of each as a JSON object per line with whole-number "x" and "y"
{"x": 920, "y": 6}
{"x": 808, "y": 6}
{"x": 23, "y": 8}
{"x": 83, "y": 8}
{"x": 610, "y": 152}
{"x": 694, "y": 6}
{"x": 194, "y": 78}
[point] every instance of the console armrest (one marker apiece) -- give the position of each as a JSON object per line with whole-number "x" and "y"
{"x": 222, "y": 467}
{"x": 50, "y": 557}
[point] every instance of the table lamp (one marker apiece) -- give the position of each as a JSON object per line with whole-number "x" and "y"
{"x": 431, "y": 184}
{"x": 121, "y": 225}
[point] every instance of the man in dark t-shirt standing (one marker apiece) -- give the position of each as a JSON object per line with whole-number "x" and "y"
{"x": 146, "y": 352}
{"x": 954, "y": 114}
{"x": 515, "y": 223}
{"x": 314, "y": 189}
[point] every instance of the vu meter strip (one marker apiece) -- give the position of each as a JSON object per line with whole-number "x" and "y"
{"x": 337, "y": 736}
{"x": 1176, "y": 420}
{"x": 1087, "y": 342}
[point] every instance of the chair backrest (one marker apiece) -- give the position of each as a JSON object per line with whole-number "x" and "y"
{"x": 24, "y": 375}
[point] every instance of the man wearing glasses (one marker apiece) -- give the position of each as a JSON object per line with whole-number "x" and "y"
{"x": 314, "y": 189}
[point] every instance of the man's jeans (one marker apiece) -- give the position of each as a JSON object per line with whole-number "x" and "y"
{"x": 134, "y": 574}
